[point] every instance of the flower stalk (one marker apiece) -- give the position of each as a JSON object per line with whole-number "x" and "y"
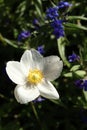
{"x": 36, "y": 115}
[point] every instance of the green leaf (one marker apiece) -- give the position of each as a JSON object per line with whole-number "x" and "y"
{"x": 85, "y": 94}
{"x": 80, "y": 73}
{"x": 21, "y": 8}
{"x": 59, "y": 102}
{"x": 76, "y": 18}
{"x": 68, "y": 75}
{"x": 75, "y": 26}
{"x": 38, "y": 5}
{"x": 10, "y": 43}
{"x": 61, "y": 42}
{"x": 75, "y": 67}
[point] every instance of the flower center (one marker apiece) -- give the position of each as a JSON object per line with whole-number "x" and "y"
{"x": 35, "y": 76}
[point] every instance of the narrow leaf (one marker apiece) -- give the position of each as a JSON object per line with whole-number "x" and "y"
{"x": 61, "y": 42}
{"x": 38, "y": 6}
{"x": 77, "y": 17}
{"x": 75, "y": 26}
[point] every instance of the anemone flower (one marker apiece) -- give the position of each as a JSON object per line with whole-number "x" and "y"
{"x": 33, "y": 75}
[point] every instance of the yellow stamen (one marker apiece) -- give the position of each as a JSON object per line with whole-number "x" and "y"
{"x": 35, "y": 76}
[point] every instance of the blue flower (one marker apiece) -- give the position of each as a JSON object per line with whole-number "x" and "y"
{"x": 81, "y": 84}
{"x": 41, "y": 49}
{"x": 58, "y": 30}
{"x": 23, "y": 35}
{"x": 85, "y": 85}
{"x": 39, "y": 99}
{"x": 58, "y": 33}
{"x": 57, "y": 23}
{"x": 36, "y": 23}
{"x": 52, "y": 13}
{"x": 63, "y": 4}
{"x": 73, "y": 58}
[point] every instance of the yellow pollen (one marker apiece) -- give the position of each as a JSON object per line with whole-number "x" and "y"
{"x": 35, "y": 76}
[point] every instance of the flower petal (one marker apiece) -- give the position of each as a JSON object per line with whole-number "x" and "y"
{"x": 25, "y": 94}
{"x": 47, "y": 90}
{"x": 15, "y": 72}
{"x": 26, "y": 61}
{"x": 31, "y": 59}
{"x": 52, "y": 67}
{"x": 37, "y": 59}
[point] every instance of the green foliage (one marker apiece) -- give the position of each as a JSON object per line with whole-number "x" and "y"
{"x": 70, "y": 111}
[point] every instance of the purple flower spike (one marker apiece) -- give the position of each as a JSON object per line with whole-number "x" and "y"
{"x": 64, "y": 5}
{"x": 58, "y": 33}
{"x": 36, "y": 24}
{"x": 58, "y": 30}
{"x": 41, "y": 49}
{"x": 73, "y": 58}
{"x": 85, "y": 85}
{"x": 52, "y": 13}
{"x": 23, "y": 35}
{"x": 81, "y": 84}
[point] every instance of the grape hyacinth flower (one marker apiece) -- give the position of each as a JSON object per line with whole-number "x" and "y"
{"x": 23, "y": 35}
{"x": 58, "y": 30}
{"x": 73, "y": 58}
{"x": 52, "y": 13}
{"x": 81, "y": 84}
{"x": 33, "y": 75}
{"x": 63, "y": 4}
{"x": 40, "y": 49}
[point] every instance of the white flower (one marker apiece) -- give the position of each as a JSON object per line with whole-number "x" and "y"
{"x": 33, "y": 75}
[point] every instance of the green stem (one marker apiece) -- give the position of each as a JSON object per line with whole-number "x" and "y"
{"x": 35, "y": 112}
{"x": 36, "y": 115}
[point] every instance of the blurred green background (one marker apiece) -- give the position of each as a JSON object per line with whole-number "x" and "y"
{"x": 70, "y": 111}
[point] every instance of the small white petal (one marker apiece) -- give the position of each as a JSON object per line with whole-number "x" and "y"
{"x": 15, "y": 72}
{"x": 47, "y": 90}
{"x": 26, "y": 61}
{"x": 52, "y": 67}
{"x": 25, "y": 94}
